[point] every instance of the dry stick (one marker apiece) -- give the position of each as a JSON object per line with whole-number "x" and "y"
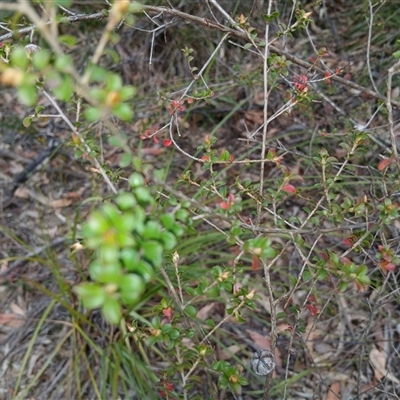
{"x": 392, "y": 70}
{"x": 267, "y": 277}
{"x": 371, "y": 20}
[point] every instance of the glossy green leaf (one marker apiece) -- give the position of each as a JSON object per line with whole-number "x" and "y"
{"x": 190, "y": 311}
{"x": 152, "y": 230}
{"x": 131, "y": 288}
{"x": 168, "y": 221}
{"x": 153, "y": 252}
{"x": 136, "y": 180}
{"x": 129, "y": 258}
{"x": 168, "y": 239}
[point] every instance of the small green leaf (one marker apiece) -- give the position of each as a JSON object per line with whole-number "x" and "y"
{"x": 91, "y": 294}
{"x": 136, "y": 180}
{"x": 169, "y": 240}
{"x": 153, "y": 252}
{"x": 19, "y": 58}
{"x": 110, "y": 273}
{"x": 93, "y": 114}
{"x": 152, "y": 230}
{"x": 396, "y": 54}
{"x": 27, "y": 122}
{"x": 96, "y": 224}
{"x": 126, "y": 160}
{"x": 111, "y": 310}
{"x": 113, "y": 82}
{"x": 144, "y": 269}
{"x": 168, "y": 220}
{"x": 125, "y": 201}
{"x": 190, "y": 311}
{"x": 65, "y": 89}
{"x": 129, "y": 258}
{"x": 40, "y": 59}
{"x": 69, "y": 40}
{"x": 131, "y": 288}
{"x": 27, "y": 95}
{"x": 118, "y": 141}
{"x": 123, "y": 112}
{"x": 64, "y": 63}
{"x": 270, "y": 17}
{"x": 127, "y": 92}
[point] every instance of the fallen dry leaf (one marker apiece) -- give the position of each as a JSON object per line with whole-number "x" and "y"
{"x": 205, "y": 311}
{"x": 333, "y": 392}
{"x": 261, "y": 341}
{"x": 378, "y": 359}
{"x": 60, "y": 203}
{"x": 16, "y": 309}
{"x": 12, "y": 320}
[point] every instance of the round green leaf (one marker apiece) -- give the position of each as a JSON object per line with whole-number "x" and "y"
{"x": 27, "y": 95}
{"x": 153, "y": 252}
{"x": 91, "y": 295}
{"x": 110, "y": 273}
{"x": 145, "y": 270}
{"x": 143, "y": 196}
{"x": 126, "y": 201}
{"x": 40, "y": 59}
{"x": 123, "y": 111}
{"x": 129, "y": 258}
{"x": 169, "y": 240}
{"x": 111, "y": 310}
{"x": 97, "y": 224}
{"x": 19, "y": 58}
{"x": 168, "y": 220}
{"x": 152, "y": 230}
{"x": 131, "y": 288}
{"x": 136, "y": 180}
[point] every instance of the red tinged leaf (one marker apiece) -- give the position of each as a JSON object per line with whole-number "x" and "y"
{"x": 384, "y": 163}
{"x": 231, "y": 198}
{"x": 387, "y": 266}
{"x": 288, "y": 188}
{"x": 167, "y": 312}
{"x": 347, "y": 242}
{"x": 155, "y": 140}
{"x": 224, "y": 205}
{"x": 328, "y": 78}
{"x": 255, "y": 263}
{"x": 205, "y": 158}
{"x": 167, "y": 142}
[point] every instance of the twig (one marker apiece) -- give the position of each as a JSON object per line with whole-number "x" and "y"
{"x": 392, "y": 70}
